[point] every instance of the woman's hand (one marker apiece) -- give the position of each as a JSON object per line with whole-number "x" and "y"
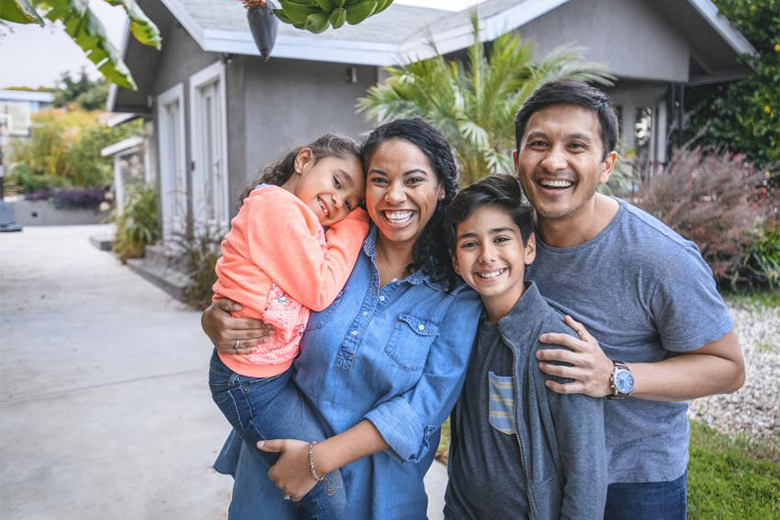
{"x": 232, "y": 335}
{"x": 291, "y": 473}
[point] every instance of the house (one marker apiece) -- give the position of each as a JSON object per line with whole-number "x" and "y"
{"x": 219, "y": 113}
{"x": 16, "y": 107}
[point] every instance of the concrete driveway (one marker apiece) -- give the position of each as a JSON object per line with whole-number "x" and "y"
{"x": 104, "y": 407}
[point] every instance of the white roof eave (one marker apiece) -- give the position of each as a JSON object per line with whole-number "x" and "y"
{"x": 363, "y": 52}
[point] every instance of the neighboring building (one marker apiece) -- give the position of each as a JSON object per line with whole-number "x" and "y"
{"x": 16, "y": 107}
{"x": 220, "y": 113}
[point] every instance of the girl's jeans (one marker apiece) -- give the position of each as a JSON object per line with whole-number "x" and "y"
{"x": 273, "y": 408}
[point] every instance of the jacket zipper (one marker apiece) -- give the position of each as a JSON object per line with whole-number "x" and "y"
{"x": 517, "y": 436}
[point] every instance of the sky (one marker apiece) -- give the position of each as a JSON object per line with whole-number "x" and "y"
{"x": 31, "y": 56}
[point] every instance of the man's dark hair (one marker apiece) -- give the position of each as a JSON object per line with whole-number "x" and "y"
{"x": 570, "y": 92}
{"x": 497, "y": 190}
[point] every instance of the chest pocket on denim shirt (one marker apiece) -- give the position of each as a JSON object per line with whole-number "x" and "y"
{"x": 410, "y": 341}
{"x": 317, "y": 320}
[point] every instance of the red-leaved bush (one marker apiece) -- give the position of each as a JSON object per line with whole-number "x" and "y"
{"x": 713, "y": 199}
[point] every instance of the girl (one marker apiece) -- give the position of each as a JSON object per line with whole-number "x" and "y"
{"x": 277, "y": 264}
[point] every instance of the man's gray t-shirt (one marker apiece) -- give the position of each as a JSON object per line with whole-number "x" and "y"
{"x": 645, "y": 294}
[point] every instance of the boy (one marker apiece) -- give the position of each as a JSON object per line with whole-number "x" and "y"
{"x": 518, "y": 450}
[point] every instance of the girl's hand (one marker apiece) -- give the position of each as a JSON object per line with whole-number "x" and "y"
{"x": 227, "y": 332}
{"x": 291, "y": 473}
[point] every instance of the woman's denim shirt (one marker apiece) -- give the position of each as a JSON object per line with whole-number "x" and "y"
{"x": 395, "y": 356}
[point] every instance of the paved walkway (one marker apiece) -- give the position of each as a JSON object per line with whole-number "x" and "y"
{"x": 104, "y": 407}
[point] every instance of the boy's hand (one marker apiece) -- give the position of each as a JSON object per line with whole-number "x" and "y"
{"x": 590, "y": 367}
{"x": 232, "y": 335}
{"x": 291, "y": 473}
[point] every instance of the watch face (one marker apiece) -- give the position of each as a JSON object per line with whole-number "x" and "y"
{"x": 624, "y": 381}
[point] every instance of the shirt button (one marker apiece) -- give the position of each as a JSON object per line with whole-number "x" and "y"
{"x": 381, "y": 298}
{"x": 365, "y": 313}
{"x": 421, "y": 326}
{"x": 354, "y": 333}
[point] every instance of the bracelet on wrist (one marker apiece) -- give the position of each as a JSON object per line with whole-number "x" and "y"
{"x": 311, "y": 463}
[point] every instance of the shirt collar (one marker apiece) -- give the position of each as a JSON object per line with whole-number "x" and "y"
{"x": 416, "y": 278}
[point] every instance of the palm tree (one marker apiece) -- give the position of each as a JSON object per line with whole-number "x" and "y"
{"x": 474, "y": 104}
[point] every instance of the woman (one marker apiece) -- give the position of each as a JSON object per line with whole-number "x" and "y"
{"x": 383, "y": 365}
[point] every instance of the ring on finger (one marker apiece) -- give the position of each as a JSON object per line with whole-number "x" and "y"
{"x": 235, "y": 347}
{"x": 287, "y": 497}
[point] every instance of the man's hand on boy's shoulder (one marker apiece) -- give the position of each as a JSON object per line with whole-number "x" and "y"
{"x": 587, "y": 365}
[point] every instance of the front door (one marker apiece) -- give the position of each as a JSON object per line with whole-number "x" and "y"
{"x": 210, "y": 183}
{"x": 173, "y": 173}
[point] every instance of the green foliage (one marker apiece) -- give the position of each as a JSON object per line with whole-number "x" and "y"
{"x": 23, "y": 180}
{"x": 744, "y": 116}
{"x": 731, "y": 479}
{"x": 762, "y": 261}
{"x": 86, "y": 30}
{"x": 474, "y": 104}
{"x": 67, "y": 144}
{"x": 198, "y": 255}
{"x": 19, "y": 11}
{"x": 87, "y": 94}
{"x": 137, "y": 225}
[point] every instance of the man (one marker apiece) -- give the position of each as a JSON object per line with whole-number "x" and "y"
{"x": 661, "y": 333}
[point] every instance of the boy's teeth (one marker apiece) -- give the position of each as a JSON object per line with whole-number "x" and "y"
{"x": 398, "y": 216}
{"x": 555, "y": 184}
{"x": 491, "y": 274}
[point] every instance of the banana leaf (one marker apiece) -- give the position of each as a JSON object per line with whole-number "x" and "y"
{"x": 85, "y": 28}
{"x": 144, "y": 30}
{"x": 19, "y": 11}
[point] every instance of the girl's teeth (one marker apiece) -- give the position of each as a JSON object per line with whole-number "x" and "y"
{"x": 324, "y": 208}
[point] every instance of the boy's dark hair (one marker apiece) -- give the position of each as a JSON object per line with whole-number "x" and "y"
{"x": 497, "y": 190}
{"x": 571, "y": 92}
{"x": 429, "y": 252}
{"x": 329, "y": 145}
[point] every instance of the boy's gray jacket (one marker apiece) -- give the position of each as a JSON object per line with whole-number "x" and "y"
{"x": 561, "y": 437}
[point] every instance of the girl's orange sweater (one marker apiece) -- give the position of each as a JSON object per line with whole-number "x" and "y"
{"x": 276, "y": 263}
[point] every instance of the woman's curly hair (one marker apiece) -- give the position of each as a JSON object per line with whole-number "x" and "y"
{"x": 429, "y": 253}
{"x": 329, "y": 145}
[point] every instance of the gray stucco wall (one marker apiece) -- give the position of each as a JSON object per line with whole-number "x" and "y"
{"x": 289, "y": 103}
{"x": 181, "y": 57}
{"x": 630, "y": 37}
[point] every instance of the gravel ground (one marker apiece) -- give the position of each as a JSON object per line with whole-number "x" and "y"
{"x": 755, "y": 409}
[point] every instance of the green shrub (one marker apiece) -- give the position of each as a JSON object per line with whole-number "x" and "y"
{"x": 744, "y": 115}
{"x": 137, "y": 225}
{"x": 66, "y": 145}
{"x": 23, "y": 180}
{"x": 762, "y": 262}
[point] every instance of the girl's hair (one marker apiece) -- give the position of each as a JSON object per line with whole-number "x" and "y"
{"x": 329, "y": 145}
{"x": 429, "y": 253}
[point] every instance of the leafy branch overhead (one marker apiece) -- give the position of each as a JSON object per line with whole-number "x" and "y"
{"x": 317, "y": 15}
{"x": 85, "y": 28}
{"x": 473, "y": 102}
